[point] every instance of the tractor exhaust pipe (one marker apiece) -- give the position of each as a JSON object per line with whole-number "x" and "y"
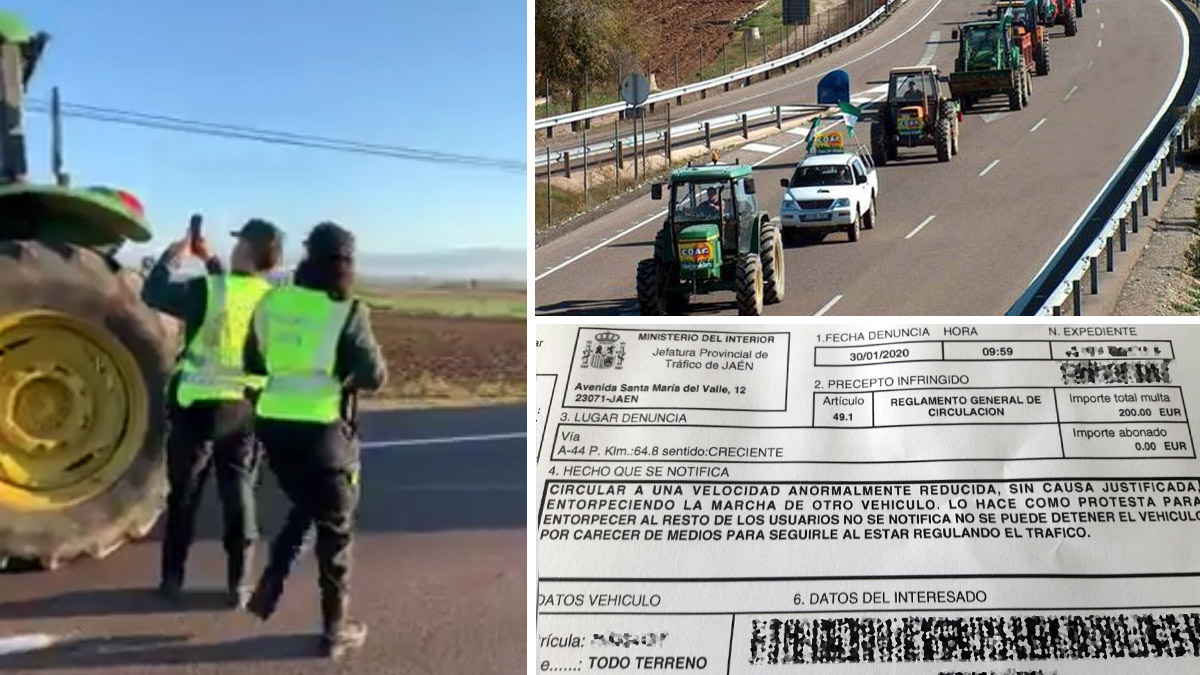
{"x": 13, "y": 164}
{"x": 56, "y": 155}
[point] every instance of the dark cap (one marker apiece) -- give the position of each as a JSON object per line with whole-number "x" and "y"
{"x": 259, "y": 231}
{"x": 330, "y": 240}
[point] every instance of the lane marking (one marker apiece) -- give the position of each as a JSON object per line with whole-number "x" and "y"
{"x": 1038, "y": 125}
{"x": 1183, "y": 61}
{"x": 1069, "y": 93}
{"x": 828, "y": 305}
{"x": 930, "y": 48}
{"x": 797, "y": 131}
{"x": 917, "y": 229}
{"x": 992, "y": 117}
{"x": 30, "y": 642}
{"x": 839, "y": 67}
{"x": 1090, "y": 63}
{"x": 760, "y": 147}
{"x": 663, "y": 212}
{"x": 446, "y": 440}
{"x": 1101, "y": 25}
{"x": 989, "y": 168}
{"x": 1099, "y": 42}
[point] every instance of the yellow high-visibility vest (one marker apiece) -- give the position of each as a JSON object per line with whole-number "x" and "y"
{"x": 211, "y": 367}
{"x": 297, "y": 330}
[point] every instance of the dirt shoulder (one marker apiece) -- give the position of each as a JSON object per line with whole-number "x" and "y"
{"x": 1159, "y": 284}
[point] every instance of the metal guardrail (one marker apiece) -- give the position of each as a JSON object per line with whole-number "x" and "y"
{"x": 680, "y": 132}
{"x": 1104, "y": 225}
{"x": 696, "y": 87}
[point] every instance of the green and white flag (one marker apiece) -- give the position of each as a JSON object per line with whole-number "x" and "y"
{"x": 850, "y": 114}
{"x": 812, "y": 134}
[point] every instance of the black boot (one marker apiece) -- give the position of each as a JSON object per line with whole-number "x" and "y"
{"x": 341, "y": 635}
{"x": 236, "y": 591}
{"x": 171, "y": 588}
{"x": 265, "y": 599}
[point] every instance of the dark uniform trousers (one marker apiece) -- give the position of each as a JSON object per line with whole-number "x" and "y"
{"x": 316, "y": 466}
{"x": 204, "y": 436}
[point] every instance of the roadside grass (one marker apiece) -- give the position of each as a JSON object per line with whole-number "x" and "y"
{"x": 464, "y": 302}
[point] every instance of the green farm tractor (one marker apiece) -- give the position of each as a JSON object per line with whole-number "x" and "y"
{"x": 715, "y": 238}
{"x": 992, "y": 59}
{"x": 83, "y": 362}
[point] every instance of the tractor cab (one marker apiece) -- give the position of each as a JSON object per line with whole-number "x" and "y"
{"x": 982, "y": 45}
{"x": 912, "y": 94}
{"x": 710, "y": 204}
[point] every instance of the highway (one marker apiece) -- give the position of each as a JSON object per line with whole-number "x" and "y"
{"x": 440, "y": 572}
{"x": 961, "y": 238}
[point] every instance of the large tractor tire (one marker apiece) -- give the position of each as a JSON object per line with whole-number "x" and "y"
{"x": 1041, "y": 58}
{"x": 83, "y": 372}
{"x": 950, "y": 112}
{"x": 749, "y": 285}
{"x": 774, "y": 281}
{"x": 1016, "y": 97}
{"x": 942, "y": 139}
{"x": 1072, "y": 23}
{"x": 879, "y": 144}
{"x": 652, "y": 299}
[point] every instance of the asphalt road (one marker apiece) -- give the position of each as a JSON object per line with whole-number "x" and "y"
{"x": 440, "y": 572}
{"x": 964, "y": 237}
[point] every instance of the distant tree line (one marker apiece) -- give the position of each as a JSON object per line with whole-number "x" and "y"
{"x": 582, "y": 43}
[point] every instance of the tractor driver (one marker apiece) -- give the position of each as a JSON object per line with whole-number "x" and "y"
{"x": 710, "y": 208}
{"x": 912, "y": 93}
{"x": 209, "y": 415}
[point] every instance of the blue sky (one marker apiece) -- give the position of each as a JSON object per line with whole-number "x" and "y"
{"x": 393, "y": 72}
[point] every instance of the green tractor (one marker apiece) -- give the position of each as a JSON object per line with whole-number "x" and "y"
{"x": 83, "y": 362}
{"x": 1029, "y": 17}
{"x": 715, "y": 238}
{"x": 992, "y": 59}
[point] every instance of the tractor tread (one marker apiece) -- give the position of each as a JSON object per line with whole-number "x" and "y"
{"x": 749, "y": 288}
{"x": 81, "y": 283}
{"x": 774, "y": 281}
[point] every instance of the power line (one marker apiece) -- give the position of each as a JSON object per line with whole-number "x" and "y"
{"x": 239, "y": 132}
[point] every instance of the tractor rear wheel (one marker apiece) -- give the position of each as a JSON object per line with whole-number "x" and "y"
{"x": 749, "y": 285}
{"x": 1042, "y": 57}
{"x": 1016, "y": 97}
{"x": 650, "y": 292}
{"x": 774, "y": 281}
{"x": 879, "y": 147}
{"x": 1072, "y": 23}
{"x": 942, "y": 139}
{"x": 950, "y": 112}
{"x": 83, "y": 381}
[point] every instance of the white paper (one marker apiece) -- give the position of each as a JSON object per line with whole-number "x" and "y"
{"x": 868, "y": 499}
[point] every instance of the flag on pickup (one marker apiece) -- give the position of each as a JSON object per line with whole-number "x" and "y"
{"x": 812, "y": 135}
{"x": 850, "y": 114}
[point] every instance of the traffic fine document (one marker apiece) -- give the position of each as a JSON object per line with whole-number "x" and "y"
{"x": 925, "y": 499}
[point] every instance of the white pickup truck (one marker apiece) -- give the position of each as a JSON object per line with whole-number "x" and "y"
{"x": 828, "y": 193}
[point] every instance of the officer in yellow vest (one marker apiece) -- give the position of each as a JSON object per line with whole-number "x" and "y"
{"x": 211, "y": 420}
{"x": 313, "y": 342}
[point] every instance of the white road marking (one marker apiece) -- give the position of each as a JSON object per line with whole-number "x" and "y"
{"x": 1101, "y": 25}
{"x": 445, "y": 440}
{"x": 989, "y": 168}
{"x": 992, "y": 117}
{"x": 828, "y": 305}
{"x": 663, "y": 212}
{"x": 1069, "y": 93}
{"x": 1099, "y": 42}
{"x": 760, "y": 147}
{"x": 29, "y": 642}
{"x": 930, "y": 48}
{"x": 1090, "y": 63}
{"x": 1038, "y": 125}
{"x": 797, "y": 131}
{"x": 917, "y": 229}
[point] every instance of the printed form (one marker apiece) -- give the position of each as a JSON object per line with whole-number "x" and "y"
{"x": 864, "y": 499}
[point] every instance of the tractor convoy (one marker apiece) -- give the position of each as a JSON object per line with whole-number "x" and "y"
{"x": 716, "y": 238}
